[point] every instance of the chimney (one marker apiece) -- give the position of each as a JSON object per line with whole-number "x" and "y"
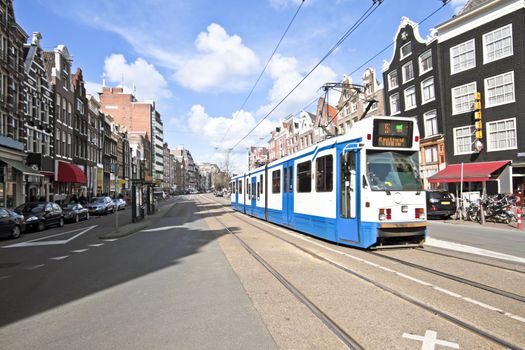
{"x": 35, "y": 39}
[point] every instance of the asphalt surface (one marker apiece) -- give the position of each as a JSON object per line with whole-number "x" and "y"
{"x": 160, "y": 288}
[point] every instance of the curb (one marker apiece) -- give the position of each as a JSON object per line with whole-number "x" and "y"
{"x": 132, "y": 228}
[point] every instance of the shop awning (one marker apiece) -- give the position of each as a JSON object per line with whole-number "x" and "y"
{"x": 24, "y": 169}
{"x": 68, "y": 172}
{"x": 472, "y": 172}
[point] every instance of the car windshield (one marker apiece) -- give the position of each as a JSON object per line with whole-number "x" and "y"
{"x": 69, "y": 206}
{"x": 440, "y": 195}
{"x": 393, "y": 171}
{"x": 98, "y": 201}
{"x": 31, "y": 208}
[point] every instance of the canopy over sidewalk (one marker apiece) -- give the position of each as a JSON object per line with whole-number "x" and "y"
{"x": 472, "y": 172}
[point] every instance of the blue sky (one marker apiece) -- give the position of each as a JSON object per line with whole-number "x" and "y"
{"x": 199, "y": 59}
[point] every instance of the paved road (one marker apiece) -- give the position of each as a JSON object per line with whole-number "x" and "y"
{"x": 503, "y": 240}
{"x": 157, "y": 289}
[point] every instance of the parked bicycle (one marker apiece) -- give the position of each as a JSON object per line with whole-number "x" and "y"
{"x": 498, "y": 208}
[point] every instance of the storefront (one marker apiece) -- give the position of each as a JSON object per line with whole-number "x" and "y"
{"x": 14, "y": 177}
{"x": 70, "y": 180}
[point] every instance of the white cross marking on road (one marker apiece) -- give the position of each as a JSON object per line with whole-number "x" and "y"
{"x": 430, "y": 340}
{"x": 34, "y": 267}
{"x": 164, "y": 228}
{"x": 110, "y": 240}
{"x": 96, "y": 245}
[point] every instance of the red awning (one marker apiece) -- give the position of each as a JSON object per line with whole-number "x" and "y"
{"x": 472, "y": 172}
{"x": 68, "y": 172}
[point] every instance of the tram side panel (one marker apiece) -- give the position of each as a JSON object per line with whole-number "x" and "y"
{"x": 315, "y": 195}
{"x": 274, "y": 205}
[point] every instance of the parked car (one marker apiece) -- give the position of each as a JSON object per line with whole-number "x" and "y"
{"x": 101, "y": 205}
{"x": 11, "y": 224}
{"x": 120, "y": 204}
{"x": 440, "y": 204}
{"x": 75, "y": 212}
{"x": 39, "y": 215}
{"x": 219, "y": 194}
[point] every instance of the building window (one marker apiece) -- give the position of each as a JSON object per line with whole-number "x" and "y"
{"x": 410, "y": 98}
{"x": 497, "y": 44}
{"x": 406, "y": 50}
{"x": 408, "y": 72}
{"x": 325, "y": 171}
{"x": 431, "y": 123}
{"x": 80, "y": 106}
{"x": 394, "y": 104}
{"x": 392, "y": 80}
{"x": 501, "y": 135}
{"x": 431, "y": 154}
{"x": 463, "y": 98}
{"x": 499, "y": 89}
{"x": 353, "y": 106}
{"x": 374, "y": 106}
{"x": 425, "y": 62}
{"x": 427, "y": 90}
{"x": 304, "y": 177}
{"x": 464, "y": 139}
{"x": 276, "y": 181}
{"x": 462, "y": 57}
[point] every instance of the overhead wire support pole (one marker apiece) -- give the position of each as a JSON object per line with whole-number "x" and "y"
{"x": 360, "y": 20}
{"x": 265, "y": 66}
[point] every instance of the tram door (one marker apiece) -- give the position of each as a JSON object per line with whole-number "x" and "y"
{"x": 288, "y": 206}
{"x": 348, "y": 220}
{"x": 236, "y": 187}
{"x": 253, "y": 203}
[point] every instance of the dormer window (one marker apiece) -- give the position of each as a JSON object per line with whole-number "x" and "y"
{"x": 406, "y": 50}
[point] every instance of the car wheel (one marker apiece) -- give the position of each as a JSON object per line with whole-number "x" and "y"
{"x": 16, "y": 232}
{"x": 61, "y": 222}
{"x": 41, "y": 226}
{"x": 77, "y": 219}
{"x": 445, "y": 217}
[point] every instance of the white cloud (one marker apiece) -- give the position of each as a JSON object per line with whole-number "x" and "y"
{"x": 148, "y": 82}
{"x": 457, "y": 5}
{"x": 285, "y": 3}
{"x": 225, "y": 132}
{"x": 93, "y": 88}
{"x": 221, "y": 63}
{"x": 286, "y": 74}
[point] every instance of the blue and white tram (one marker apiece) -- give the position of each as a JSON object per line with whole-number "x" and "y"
{"x": 360, "y": 189}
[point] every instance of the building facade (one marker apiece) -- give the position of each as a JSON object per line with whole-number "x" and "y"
{"x": 38, "y": 122}
{"x": 482, "y": 51}
{"x": 411, "y": 89}
{"x": 13, "y": 171}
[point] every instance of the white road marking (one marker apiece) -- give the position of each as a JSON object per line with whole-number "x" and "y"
{"x": 472, "y": 250}
{"x": 110, "y": 240}
{"x": 96, "y": 245}
{"x": 34, "y": 267}
{"x": 413, "y": 279}
{"x": 78, "y": 251}
{"x": 164, "y": 228}
{"x": 430, "y": 340}
{"x": 4, "y": 277}
{"x": 36, "y": 242}
{"x": 59, "y": 257}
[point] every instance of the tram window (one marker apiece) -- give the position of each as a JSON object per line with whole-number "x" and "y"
{"x": 285, "y": 178}
{"x": 290, "y": 182}
{"x": 325, "y": 173}
{"x": 348, "y": 182}
{"x": 240, "y": 187}
{"x": 261, "y": 181}
{"x": 258, "y": 189}
{"x": 304, "y": 177}
{"x": 276, "y": 181}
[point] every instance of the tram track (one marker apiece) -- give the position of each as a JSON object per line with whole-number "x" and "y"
{"x": 426, "y": 250}
{"x": 471, "y": 283}
{"x": 337, "y": 330}
{"x": 463, "y": 324}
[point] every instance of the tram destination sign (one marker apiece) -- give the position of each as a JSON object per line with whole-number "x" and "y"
{"x": 392, "y": 133}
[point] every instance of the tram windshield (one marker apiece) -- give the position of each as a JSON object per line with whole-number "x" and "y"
{"x": 393, "y": 171}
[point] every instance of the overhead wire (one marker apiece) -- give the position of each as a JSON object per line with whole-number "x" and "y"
{"x": 265, "y": 66}
{"x": 362, "y": 18}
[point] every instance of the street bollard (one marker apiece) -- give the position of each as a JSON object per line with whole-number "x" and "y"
{"x": 518, "y": 217}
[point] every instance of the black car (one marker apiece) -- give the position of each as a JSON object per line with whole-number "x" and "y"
{"x": 11, "y": 224}
{"x": 101, "y": 205}
{"x": 39, "y": 215}
{"x": 75, "y": 212}
{"x": 440, "y": 204}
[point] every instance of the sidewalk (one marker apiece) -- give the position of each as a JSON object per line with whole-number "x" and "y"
{"x": 488, "y": 224}
{"x": 126, "y": 230}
